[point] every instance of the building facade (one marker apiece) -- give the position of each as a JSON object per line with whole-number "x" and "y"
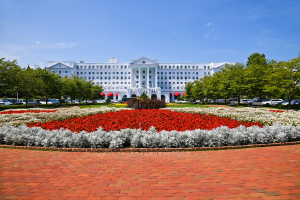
{"x": 158, "y": 80}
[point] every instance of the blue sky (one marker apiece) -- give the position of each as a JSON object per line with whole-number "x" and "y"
{"x": 37, "y": 31}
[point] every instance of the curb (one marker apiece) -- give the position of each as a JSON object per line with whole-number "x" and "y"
{"x": 128, "y": 150}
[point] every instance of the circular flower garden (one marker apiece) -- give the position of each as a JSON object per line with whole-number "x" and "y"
{"x": 144, "y": 119}
{"x": 158, "y": 128}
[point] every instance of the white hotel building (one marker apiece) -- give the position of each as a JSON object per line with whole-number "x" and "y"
{"x": 161, "y": 80}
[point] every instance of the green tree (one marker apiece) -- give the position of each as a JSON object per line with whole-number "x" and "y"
{"x": 198, "y": 91}
{"x": 144, "y": 97}
{"x": 70, "y": 87}
{"x": 234, "y": 79}
{"x": 96, "y": 90}
{"x": 28, "y": 83}
{"x": 10, "y": 75}
{"x": 284, "y": 78}
{"x": 188, "y": 91}
{"x": 48, "y": 85}
{"x": 255, "y": 75}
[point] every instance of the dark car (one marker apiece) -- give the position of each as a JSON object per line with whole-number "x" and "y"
{"x": 13, "y": 101}
{"x": 296, "y": 103}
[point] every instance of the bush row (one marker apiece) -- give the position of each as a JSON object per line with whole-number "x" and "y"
{"x": 222, "y": 136}
{"x": 146, "y": 104}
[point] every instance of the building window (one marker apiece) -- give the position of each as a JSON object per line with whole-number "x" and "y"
{"x": 59, "y": 72}
{"x": 66, "y": 71}
{"x": 204, "y": 67}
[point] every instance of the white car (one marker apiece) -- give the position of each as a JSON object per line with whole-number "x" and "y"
{"x": 274, "y": 102}
{"x": 244, "y": 101}
{"x": 2, "y": 103}
{"x": 7, "y": 103}
{"x": 100, "y": 101}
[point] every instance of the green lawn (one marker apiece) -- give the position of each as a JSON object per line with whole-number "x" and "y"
{"x": 102, "y": 104}
{"x": 188, "y": 105}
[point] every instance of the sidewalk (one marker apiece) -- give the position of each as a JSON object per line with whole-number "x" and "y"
{"x": 256, "y": 173}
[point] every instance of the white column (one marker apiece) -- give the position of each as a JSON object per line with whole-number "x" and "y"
{"x": 131, "y": 77}
{"x": 140, "y": 77}
{"x": 155, "y": 73}
{"x": 105, "y": 97}
{"x": 167, "y": 98}
{"x": 114, "y": 98}
{"x": 148, "y": 85}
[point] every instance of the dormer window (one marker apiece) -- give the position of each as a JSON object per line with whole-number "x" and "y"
{"x": 59, "y": 65}
{"x": 144, "y": 62}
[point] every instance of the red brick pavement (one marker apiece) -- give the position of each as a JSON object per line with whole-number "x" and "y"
{"x": 256, "y": 173}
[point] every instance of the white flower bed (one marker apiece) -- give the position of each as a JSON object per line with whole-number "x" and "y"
{"x": 222, "y": 136}
{"x": 60, "y": 114}
{"x": 262, "y": 115}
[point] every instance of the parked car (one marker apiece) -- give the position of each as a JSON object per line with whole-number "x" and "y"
{"x": 244, "y": 101}
{"x": 296, "y": 102}
{"x": 102, "y": 101}
{"x": 232, "y": 100}
{"x": 13, "y": 101}
{"x": 274, "y": 102}
{"x": 52, "y": 101}
{"x": 284, "y": 102}
{"x": 6, "y": 103}
{"x": 29, "y": 102}
{"x": 265, "y": 101}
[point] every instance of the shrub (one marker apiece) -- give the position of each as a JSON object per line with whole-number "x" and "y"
{"x": 221, "y": 136}
{"x": 108, "y": 100}
{"x": 146, "y": 104}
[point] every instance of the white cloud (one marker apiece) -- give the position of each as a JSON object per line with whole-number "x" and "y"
{"x": 206, "y": 36}
{"x": 37, "y": 42}
{"x": 209, "y": 24}
{"x": 174, "y": 32}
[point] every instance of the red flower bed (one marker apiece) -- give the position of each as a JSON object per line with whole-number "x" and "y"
{"x": 143, "y": 119}
{"x": 26, "y": 111}
{"x": 279, "y": 111}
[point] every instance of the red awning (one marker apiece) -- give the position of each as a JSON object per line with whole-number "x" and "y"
{"x": 117, "y": 94}
{"x": 184, "y": 94}
{"x": 177, "y": 94}
{"x": 102, "y": 94}
{"x": 110, "y": 94}
{"x": 170, "y": 94}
